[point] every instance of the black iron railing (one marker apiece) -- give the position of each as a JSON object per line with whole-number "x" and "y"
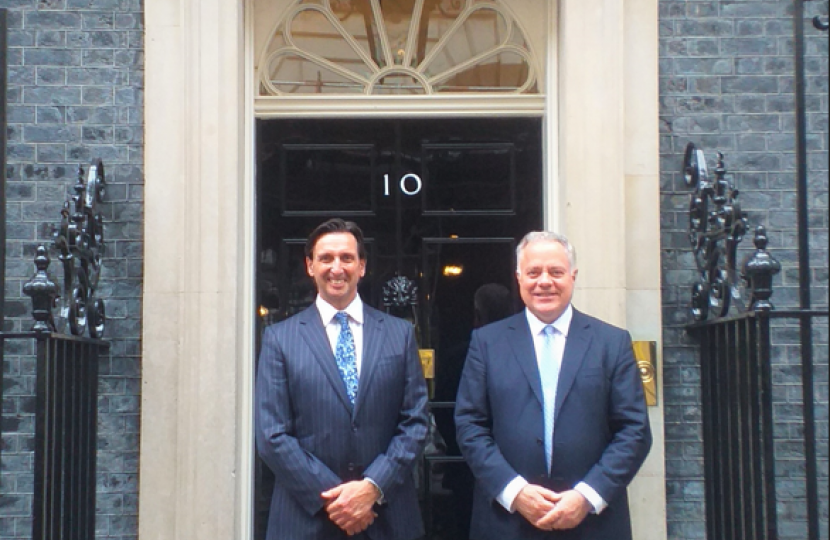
{"x": 738, "y": 449}
{"x": 66, "y": 431}
{"x": 66, "y": 416}
{"x": 734, "y": 323}
{"x": 735, "y": 350}
{"x": 739, "y": 440}
{"x": 66, "y": 391}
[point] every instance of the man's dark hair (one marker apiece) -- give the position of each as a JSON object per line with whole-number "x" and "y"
{"x": 492, "y": 302}
{"x": 336, "y": 225}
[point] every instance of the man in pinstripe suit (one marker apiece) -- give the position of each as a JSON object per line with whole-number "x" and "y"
{"x": 341, "y": 407}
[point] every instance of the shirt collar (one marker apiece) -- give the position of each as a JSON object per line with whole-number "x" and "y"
{"x": 327, "y": 311}
{"x": 562, "y": 324}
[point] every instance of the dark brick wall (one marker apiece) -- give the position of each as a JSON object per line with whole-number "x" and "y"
{"x": 726, "y": 82}
{"x": 75, "y": 92}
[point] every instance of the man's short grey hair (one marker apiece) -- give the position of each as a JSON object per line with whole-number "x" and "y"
{"x": 546, "y": 236}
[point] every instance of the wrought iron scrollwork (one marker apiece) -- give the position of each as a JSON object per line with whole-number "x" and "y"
{"x": 80, "y": 245}
{"x": 820, "y": 24}
{"x": 716, "y": 227}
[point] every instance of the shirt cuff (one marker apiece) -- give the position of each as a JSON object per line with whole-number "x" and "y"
{"x": 593, "y": 497}
{"x": 380, "y": 499}
{"x": 508, "y": 495}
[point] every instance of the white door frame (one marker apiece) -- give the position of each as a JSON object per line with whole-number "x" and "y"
{"x": 197, "y": 338}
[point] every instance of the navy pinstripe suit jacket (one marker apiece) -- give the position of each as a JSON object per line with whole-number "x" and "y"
{"x": 313, "y": 439}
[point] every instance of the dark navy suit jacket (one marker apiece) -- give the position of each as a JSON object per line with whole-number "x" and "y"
{"x": 313, "y": 439}
{"x": 601, "y": 430}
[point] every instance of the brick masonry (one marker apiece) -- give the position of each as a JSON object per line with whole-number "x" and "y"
{"x": 75, "y": 93}
{"x": 726, "y": 83}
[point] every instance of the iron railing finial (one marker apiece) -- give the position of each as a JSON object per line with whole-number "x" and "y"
{"x": 43, "y": 292}
{"x": 759, "y": 269}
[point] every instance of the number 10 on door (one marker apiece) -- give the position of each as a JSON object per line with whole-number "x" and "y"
{"x": 410, "y": 184}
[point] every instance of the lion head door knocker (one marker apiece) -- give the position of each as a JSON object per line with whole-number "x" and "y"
{"x": 400, "y": 298}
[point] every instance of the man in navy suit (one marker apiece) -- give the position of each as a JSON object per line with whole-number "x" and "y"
{"x": 341, "y": 407}
{"x": 550, "y": 413}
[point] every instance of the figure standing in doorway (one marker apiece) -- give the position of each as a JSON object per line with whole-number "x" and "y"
{"x": 491, "y": 302}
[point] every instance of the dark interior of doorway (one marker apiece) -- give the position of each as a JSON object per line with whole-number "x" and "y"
{"x": 442, "y": 203}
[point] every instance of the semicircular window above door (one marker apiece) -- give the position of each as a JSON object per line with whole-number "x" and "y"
{"x": 397, "y": 47}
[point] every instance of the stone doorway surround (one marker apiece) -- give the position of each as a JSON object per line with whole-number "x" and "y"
{"x": 601, "y": 146}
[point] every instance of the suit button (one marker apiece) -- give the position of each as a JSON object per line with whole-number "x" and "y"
{"x": 539, "y": 442}
{"x": 350, "y": 467}
{"x": 354, "y": 428}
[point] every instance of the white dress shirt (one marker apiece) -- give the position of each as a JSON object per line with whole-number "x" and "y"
{"x": 355, "y": 313}
{"x": 537, "y": 329}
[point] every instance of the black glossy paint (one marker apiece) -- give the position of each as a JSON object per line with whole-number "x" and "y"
{"x": 481, "y": 191}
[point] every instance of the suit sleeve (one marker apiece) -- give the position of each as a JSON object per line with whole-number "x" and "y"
{"x": 473, "y": 421}
{"x": 628, "y": 424}
{"x": 298, "y": 471}
{"x": 390, "y": 468}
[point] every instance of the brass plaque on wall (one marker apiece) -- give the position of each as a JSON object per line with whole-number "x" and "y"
{"x": 645, "y": 353}
{"x": 428, "y": 362}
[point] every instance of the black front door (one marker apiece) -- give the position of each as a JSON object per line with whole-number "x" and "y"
{"x": 442, "y": 203}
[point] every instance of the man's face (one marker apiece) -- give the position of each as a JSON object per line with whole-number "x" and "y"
{"x": 336, "y": 268}
{"x": 546, "y": 281}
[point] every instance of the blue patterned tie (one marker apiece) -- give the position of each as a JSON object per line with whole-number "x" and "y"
{"x": 345, "y": 355}
{"x": 549, "y": 373}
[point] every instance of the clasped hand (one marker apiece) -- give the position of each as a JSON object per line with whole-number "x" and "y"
{"x": 549, "y": 510}
{"x": 350, "y": 504}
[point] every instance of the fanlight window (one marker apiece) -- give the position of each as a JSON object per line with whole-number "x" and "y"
{"x": 403, "y": 47}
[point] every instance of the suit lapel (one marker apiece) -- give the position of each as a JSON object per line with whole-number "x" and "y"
{"x": 579, "y": 339}
{"x": 525, "y": 355}
{"x": 314, "y": 334}
{"x": 373, "y": 337}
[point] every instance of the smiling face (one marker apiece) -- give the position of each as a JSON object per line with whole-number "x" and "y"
{"x": 336, "y": 268}
{"x": 546, "y": 280}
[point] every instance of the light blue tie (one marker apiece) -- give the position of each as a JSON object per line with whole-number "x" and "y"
{"x": 549, "y": 373}
{"x": 345, "y": 355}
